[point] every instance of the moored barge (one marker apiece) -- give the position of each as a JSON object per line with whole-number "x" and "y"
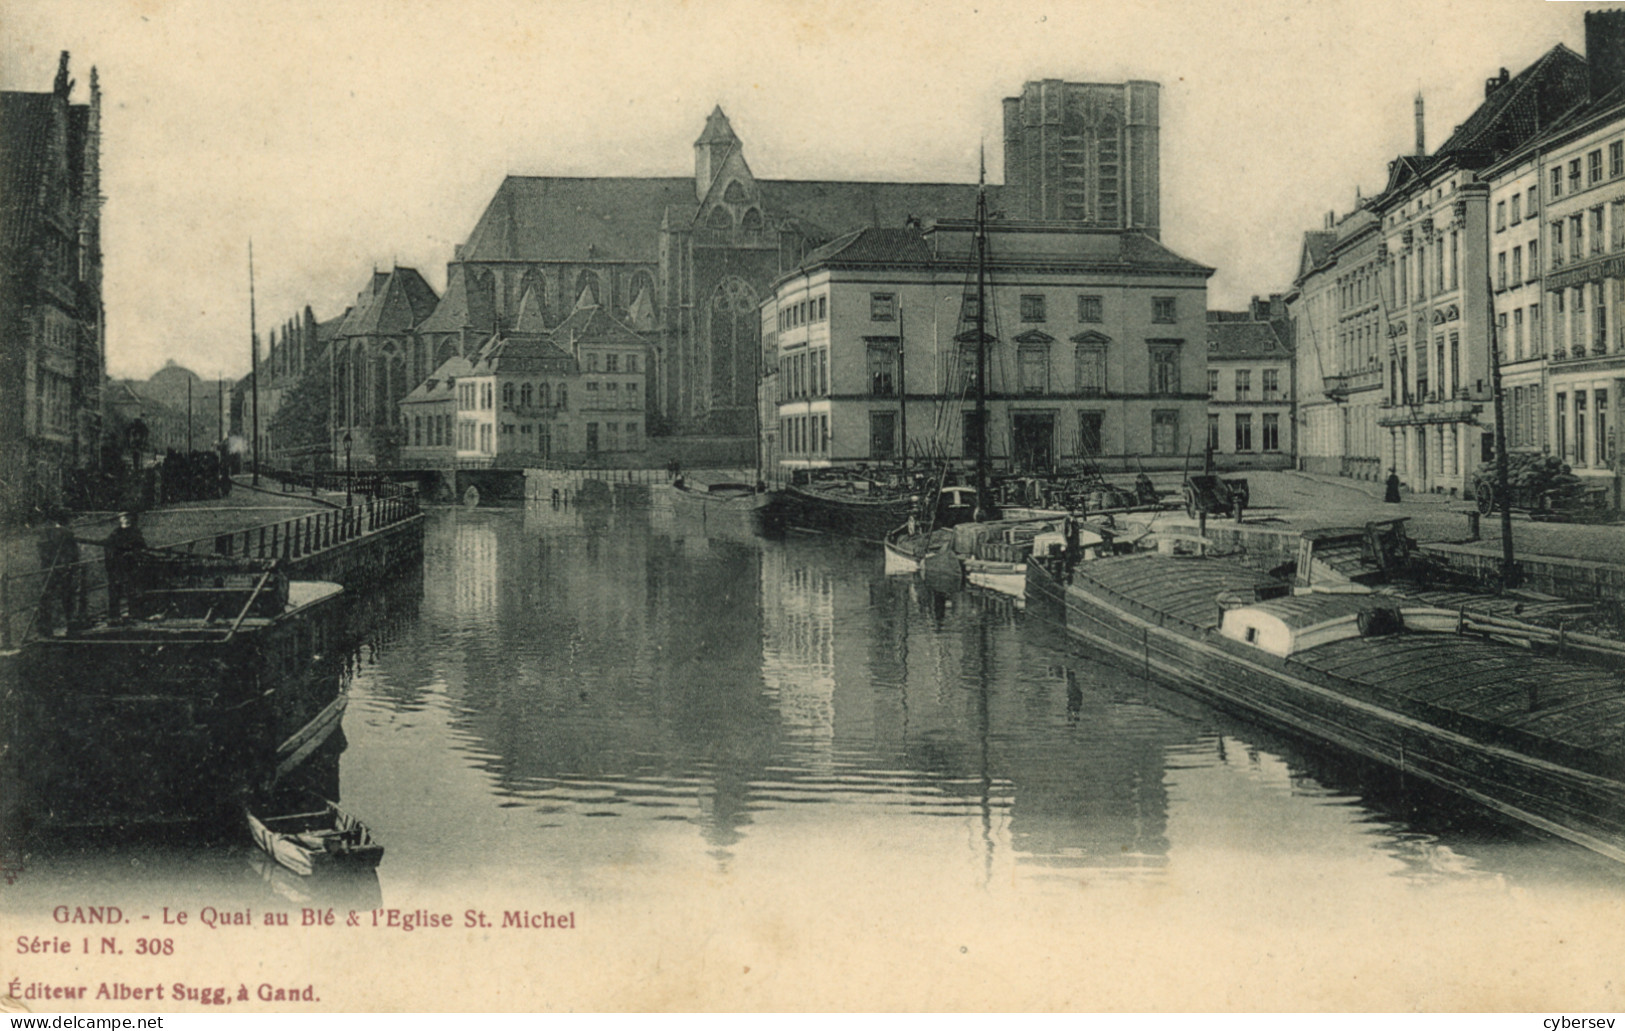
{"x": 223, "y": 679}
{"x": 1514, "y": 718}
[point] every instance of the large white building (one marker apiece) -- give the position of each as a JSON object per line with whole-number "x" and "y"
{"x": 1558, "y": 240}
{"x": 1095, "y": 348}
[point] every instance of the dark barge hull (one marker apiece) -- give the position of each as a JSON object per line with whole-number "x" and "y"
{"x": 1579, "y": 797}
{"x": 864, "y": 520}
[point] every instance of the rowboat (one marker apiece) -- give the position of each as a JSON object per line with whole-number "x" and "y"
{"x": 1525, "y": 721}
{"x": 324, "y": 838}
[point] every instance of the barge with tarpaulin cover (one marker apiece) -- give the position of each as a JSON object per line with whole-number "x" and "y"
{"x": 1525, "y": 720}
{"x": 225, "y": 676}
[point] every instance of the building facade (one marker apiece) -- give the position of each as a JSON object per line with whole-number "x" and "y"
{"x": 1250, "y": 386}
{"x": 1559, "y": 243}
{"x": 1095, "y": 349}
{"x": 1435, "y": 286}
{"x": 375, "y": 359}
{"x": 52, "y": 340}
{"x": 1339, "y": 336}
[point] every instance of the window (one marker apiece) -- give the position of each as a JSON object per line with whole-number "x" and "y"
{"x": 882, "y": 369}
{"x": 1091, "y": 361}
{"x": 1164, "y": 368}
{"x": 1272, "y": 384}
{"x": 631, "y": 363}
{"x": 1517, "y": 265}
{"x": 1534, "y": 260}
{"x": 487, "y": 445}
{"x": 1034, "y": 366}
{"x": 1616, "y": 225}
{"x": 823, "y": 312}
{"x": 1162, "y": 309}
{"x": 1244, "y": 384}
{"x": 1089, "y": 435}
{"x": 1580, "y": 420}
{"x": 1517, "y": 213}
{"x": 883, "y": 307}
{"x": 1616, "y": 159}
{"x": 507, "y": 395}
{"x": 1534, "y": 196}
{"x": 1517, "y": 333}
{"x": 1165, "y": 432}
{"x": 1213, "y": 383}
{"x": 1599, "y": 321}
{"x": 1574, "y": 176}
{"x": 970, "y": 308}
{"x": 1501, "y": 271}
{"x": 1557, "y": 182}
{"x": 1596, "y": 230}
{"x": 1577, "y": 232}
{"x": 1557, "y": 243}
{"x": 612, "y": 363}
{"x": 1272, "y": 431}
{"x": 1535, "y": 347}
{"x": 1032, "y": 307}
{"x": 1090, "y": 308}
{"x": 1500, "y": 215}
{"x": 1605, "y": 443}
{"x": 1594, "y": 167}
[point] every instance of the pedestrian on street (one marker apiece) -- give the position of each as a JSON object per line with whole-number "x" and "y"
{"x": 58, "y": 559}
{"x": 1391, "y": 494}
{"x": 122, "y": 555}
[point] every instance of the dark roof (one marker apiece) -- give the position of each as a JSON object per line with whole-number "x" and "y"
{"x": 439, "y": 385}
{"x": 25, "y": 149}
{"x": 1230, "y": 339}
{"x": 873, "y": 246}
{"x": 593, "y": 324}
{"x": 395, "y": 302}
{"x": 549, "y": 218}
{"x": 454, "y": 313}
{"x": 518, "y": 352}
{"x": 1512, "y": 114}
{"x": 1319, "y": 243}
{"x": 1518, "y": 109}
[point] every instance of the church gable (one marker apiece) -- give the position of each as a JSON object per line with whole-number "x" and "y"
{"x": 734, "y": 201}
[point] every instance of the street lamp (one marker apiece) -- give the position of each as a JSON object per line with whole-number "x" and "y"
{"x": 349, "y": 472}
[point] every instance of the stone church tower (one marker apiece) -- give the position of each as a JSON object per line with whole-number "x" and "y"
{"x": 1084, "y": 152}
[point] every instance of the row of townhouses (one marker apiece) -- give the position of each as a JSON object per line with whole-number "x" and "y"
{"x": 1507, "y": 241}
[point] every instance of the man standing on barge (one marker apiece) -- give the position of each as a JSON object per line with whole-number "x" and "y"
{"x": 122, "y": 557}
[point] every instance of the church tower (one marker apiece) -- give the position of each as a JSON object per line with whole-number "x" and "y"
{"x": 711, "y": 150}
{"x": 1085, "y": 152}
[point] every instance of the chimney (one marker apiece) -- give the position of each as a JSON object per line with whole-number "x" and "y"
{"x": 1491, "y": 85}
{"x": 1605, "y": 50}
{"x": 1421, "y": 137}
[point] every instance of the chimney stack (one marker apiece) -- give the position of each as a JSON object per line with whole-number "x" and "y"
{"x": 1491, "y": 85}
{"x": 1605, "y": 51}
{"x": 1421, "y": 138}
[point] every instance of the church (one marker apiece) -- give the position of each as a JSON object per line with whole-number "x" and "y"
{"x": 686, "y": 261}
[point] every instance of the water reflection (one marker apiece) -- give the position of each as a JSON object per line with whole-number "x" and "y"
{"x": 571, "y": 692}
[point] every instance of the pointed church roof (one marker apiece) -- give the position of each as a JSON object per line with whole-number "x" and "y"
{"x": 595, "y": 325}
{"x": 717, "y": 129}
{"x": 395, "y": 302}
{"x": 461, "y": 308}
{"x": 531, "y": 318}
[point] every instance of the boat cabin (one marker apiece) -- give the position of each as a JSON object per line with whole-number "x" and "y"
{"x": 1289, "y": 625}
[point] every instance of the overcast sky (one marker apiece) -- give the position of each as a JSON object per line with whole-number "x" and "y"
{"x": 341, "y": 135}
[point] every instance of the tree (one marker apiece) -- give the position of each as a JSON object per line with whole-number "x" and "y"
{"x": 301, "y": 419}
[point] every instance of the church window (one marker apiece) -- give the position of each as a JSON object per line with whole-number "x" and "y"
{"x": 588, "y": 290}
{"x": 507, "y": 395}
{"x": 719, "y": 220}
{"x": 735, "y": 194}
{"x": 752, "y": 222}
{"x": 524, "y": 396}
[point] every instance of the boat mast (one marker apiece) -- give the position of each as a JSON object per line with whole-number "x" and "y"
{"x": 1503, "y": 476}
{"x": 254, "y": 362}
{"x": 981, "y": 336}
{"x": 902, "y": 386}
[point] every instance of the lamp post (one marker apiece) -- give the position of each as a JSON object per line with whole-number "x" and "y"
{"x": 349, "y": 472}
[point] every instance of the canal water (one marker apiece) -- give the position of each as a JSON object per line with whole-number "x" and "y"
{"x": 762, "y": 773}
